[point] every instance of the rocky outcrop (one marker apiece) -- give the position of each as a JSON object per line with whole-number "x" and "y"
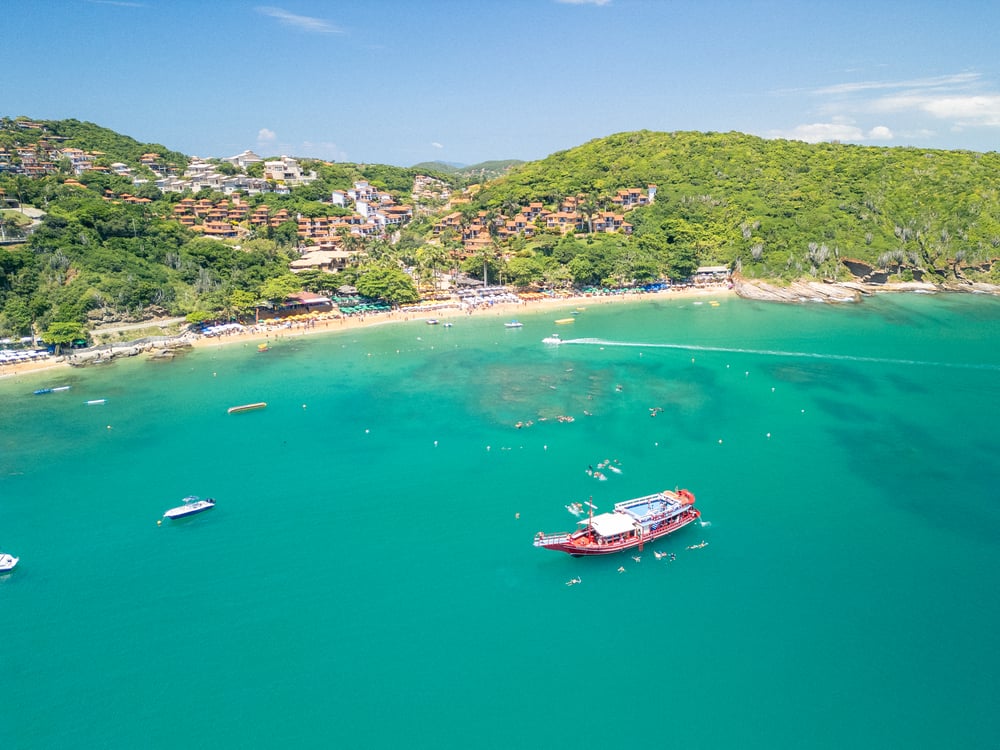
{"x": 848, "y": 291}
{"x": 160, "y": 348}
{"x": 797, "y": 291}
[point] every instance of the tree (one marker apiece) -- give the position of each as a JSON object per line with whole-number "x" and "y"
{"x": 278, "y": 288}
{"x": 63, "y": 333}
{"x": 242, "y": 302}
{"x": 388, "y": 284}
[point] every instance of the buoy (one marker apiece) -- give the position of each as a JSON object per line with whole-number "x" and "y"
{"x": 158, "y": 523}
{"x": 769, "y": 434}
{"x": 303, "y": 406}
{"x": 720, "y": 441}
{"x": 109, "y": 427}
{"x": 517, "y": 515}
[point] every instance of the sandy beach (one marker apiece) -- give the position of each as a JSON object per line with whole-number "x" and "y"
{"x": 502, "y": 311}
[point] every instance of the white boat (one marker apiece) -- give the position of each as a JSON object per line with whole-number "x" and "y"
{"x": 513, "y": 324}
{"x": 192, "y": 504}
{"x": 553, "y": 339}
{"x": 7, "y": 562}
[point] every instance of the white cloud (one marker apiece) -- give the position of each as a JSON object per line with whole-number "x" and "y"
{"x": 880, "y": 133}
{"x": 265, "y": 137}
{"x": 435, "y": 144}
{"x": 584, "y": 2}
{"x": 837, "y": 130}
{"x": 817, "y": 132}
{"x": 962, "y": 100}
{"x": 303, "y": 23}
{"x": 958, "y": 80}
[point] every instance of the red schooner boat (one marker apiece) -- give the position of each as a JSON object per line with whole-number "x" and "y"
{"x": 632, "y": 523}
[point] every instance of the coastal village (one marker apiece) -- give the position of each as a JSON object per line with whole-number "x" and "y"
{"x": 324, "y": 239}
{"x": 327, "y": 243}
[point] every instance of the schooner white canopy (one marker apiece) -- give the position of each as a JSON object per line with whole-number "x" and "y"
{"x": 609, "y": 524}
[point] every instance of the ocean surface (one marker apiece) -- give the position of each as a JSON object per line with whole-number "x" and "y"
{"x": 367, "y": 578}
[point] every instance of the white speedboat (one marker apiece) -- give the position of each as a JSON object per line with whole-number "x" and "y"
{"x": 553, "y": 339}
{"x": 513, "y": 324}
{"x": 192, "y": 504}
{"x": 7, "y": 562}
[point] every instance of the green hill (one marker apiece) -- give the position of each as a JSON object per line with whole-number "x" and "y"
{"x": 781, "y": 208}
{"x": 87, "y": 136}
{"x": 772, "y": 209}
{"x": 487, "y": 170}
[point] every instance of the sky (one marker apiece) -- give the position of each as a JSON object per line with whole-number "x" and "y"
{"x": 464, "y": 81}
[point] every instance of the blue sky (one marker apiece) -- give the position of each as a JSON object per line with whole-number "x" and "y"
{"x": 400, "y": 82}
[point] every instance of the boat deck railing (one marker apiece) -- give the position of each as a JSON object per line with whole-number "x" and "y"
{"x": 543, "y": 540}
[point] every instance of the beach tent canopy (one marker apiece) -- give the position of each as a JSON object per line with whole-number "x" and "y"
{"x": 609, "y": 524}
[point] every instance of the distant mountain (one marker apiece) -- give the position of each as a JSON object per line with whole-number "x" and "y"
{"x": 487, "y": 170}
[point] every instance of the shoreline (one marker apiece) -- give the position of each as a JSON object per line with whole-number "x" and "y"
{"x": 503, "y": 310}
{"x": 751, "y": 290}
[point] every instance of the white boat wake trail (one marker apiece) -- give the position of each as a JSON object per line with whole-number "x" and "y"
{"x": 778, "y": 353}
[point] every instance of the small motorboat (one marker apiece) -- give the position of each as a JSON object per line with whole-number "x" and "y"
{"x": 513, "y": 324}
{"x": 246, "y": 407}
{"x": 192, "y": 504}
{"x": 553, "y": 339}
{"x": 432, "y": 321}
{"x": 7, "y": 562}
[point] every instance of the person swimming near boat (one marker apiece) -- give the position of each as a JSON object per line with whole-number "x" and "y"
{"x": 698, "y": 546}
{"x": 637, "y": 558}
{"x": 621, "y": 569}
{"x": 573, "y": 581}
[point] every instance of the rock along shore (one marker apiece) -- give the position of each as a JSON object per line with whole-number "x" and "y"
{"x": 845, "y": 291}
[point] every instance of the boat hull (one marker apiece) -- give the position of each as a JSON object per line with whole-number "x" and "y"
{"x": 183, "y": 511}
{"x": 246, "y": 407}
{"x": 583, "y": 544}
{"x": 8, "y": 562}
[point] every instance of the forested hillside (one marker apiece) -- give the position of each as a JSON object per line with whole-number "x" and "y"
{"x": 110, "y": 247}
{"x": 782, "y": 208}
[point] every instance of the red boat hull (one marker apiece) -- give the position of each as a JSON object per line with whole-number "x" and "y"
{"x": 581, "y": 543}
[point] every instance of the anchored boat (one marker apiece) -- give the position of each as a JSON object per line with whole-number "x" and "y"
{"x": 192, "y": 504}
{"x": 632, "y": 523}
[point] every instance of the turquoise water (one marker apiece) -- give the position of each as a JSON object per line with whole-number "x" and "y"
{"x": 365, "y": 580}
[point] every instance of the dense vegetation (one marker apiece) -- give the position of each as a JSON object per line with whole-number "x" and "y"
{"x": 782, "y": 209}
{"x": 772, "y": 209}
{"x": 487, "y": 170}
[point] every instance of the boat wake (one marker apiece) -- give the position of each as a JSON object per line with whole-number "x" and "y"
{"x": 779, "y": 353}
